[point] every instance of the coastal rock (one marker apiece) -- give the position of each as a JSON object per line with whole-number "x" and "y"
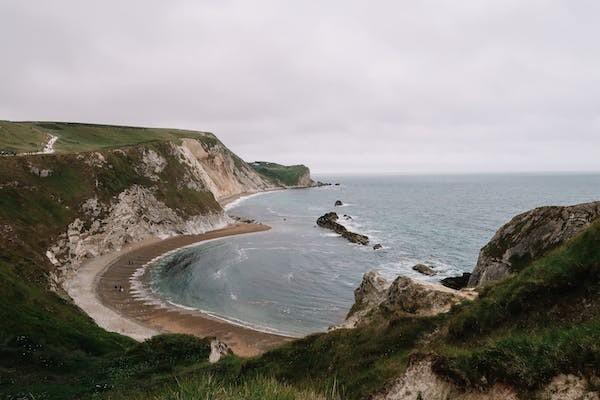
{"x": 218, "y": 350}
{"x": 420, "y": 381}
{"x": 457, "y": 282}
{"x": 152, "y": 165}
{"x": 371, "y": 291}
{"x": 368, "y": 296}
{"x": 329, "y": 221}
{"x": 378, "y": 246}
{"x": 338, "y": 203}
{"x": 529, "y": 236}
{"x": 404, "y": 296}
{"x": 408, "y": 296}
{"x": 424, "y": 269}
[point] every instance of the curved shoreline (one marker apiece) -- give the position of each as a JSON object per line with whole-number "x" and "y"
{"x": 128, "y": 313}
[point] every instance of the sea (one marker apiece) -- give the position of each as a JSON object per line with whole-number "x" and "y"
{"x": 298, "y": 278}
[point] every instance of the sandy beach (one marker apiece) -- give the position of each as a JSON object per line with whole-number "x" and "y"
{"x": 93, "y": 289}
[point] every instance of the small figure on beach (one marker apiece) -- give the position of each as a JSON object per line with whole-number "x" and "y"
{"x": 120, "y": 288}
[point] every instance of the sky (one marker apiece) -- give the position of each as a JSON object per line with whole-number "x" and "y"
{"x": 341, "y": 86}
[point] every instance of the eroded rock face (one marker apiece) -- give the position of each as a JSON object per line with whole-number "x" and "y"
{"x": 371, "y": 292}
{"x": 420, "y": 382}
{"x": 529, "y": 236}
{"x": 329, "y": 221}
{"x": 218, "y": 170}
{"x": 135, "y": 215}
{"x": 218, "y": 350}
{"x": 418, "y": 298}
{"x": 404, "y": 296}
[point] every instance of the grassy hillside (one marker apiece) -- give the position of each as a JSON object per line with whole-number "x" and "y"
{"x": 281, "y": 174}
{"x": 77, "y": 137}
{"x": 46, "y": 342}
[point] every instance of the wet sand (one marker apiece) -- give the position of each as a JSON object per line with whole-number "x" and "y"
{"x": 155, "y": 318}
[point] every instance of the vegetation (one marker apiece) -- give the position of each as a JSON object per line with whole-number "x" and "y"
{"x": 280, "y": 174}
{"x": 21, "y": 138}
{"x": 24, "y": 137}
{"x": 212, "y": 388}
{"x": 533, "y": 326}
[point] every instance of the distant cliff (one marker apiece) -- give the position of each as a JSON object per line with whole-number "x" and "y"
{"x": 288, "y": 176}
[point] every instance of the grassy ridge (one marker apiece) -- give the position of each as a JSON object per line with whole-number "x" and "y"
{"x": 280, "y": 174}
{"x": 21, "y": 138}
{"x": 78, "y": 137}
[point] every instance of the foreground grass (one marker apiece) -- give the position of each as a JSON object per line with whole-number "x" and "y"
{"x": 209, "y": 387}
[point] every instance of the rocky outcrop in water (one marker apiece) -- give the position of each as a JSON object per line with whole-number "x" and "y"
{"x": 338, "y": 203}
{"x": 529, "y": 236}
{"x": 424, "y": 269}
{"x": 329, "y": 221}
{"x": 457, "y": 282}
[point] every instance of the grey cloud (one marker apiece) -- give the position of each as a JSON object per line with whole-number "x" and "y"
{"x": 340, "y": 85}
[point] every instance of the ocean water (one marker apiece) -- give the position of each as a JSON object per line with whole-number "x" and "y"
{"x": 298, "y": 278}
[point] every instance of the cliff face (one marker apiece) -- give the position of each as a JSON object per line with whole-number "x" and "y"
{"x": 404, "y": 297}
{"x": 529, "y": 236}
{"x": 223, "y": 173}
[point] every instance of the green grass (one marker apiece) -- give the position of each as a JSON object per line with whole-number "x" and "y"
{"x": 360, "y": 360}
{"x": 209, "y": 387}
{"x": 280, "y": 174}
{"x": 80, "y": 137}
{"x": 527, "y": 329}
{"x": 21, "y": 138}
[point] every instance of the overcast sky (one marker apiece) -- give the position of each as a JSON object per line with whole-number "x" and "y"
{"x": 342, "y": 86}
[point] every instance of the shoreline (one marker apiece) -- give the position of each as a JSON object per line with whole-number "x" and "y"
{"x": 126, "y": 312}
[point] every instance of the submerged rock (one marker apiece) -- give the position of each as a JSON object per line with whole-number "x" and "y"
{"x": 338, "y": 203}
{"x": 424, "y": 269}
{"x": 529, "y": 236}
{"x": 456, "y": 282}
{"x": 329, "y": 221}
